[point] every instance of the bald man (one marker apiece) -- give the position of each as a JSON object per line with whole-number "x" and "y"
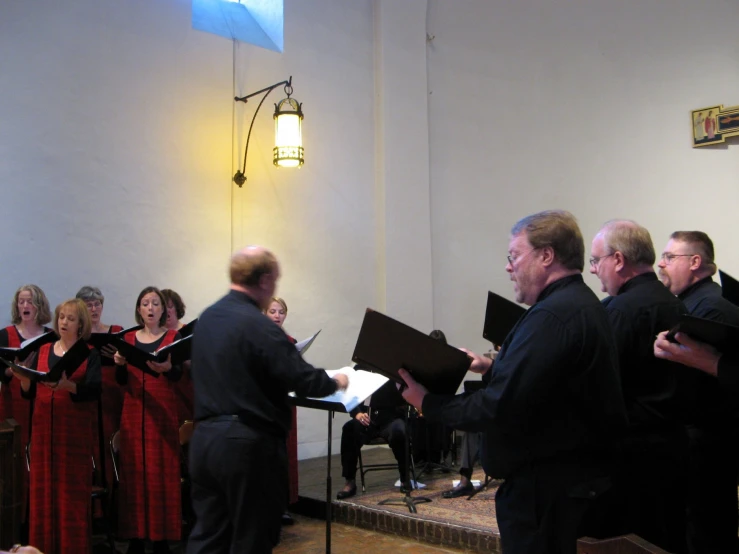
{"x": 243, "y": 367}
{"x": 648, "y": 499}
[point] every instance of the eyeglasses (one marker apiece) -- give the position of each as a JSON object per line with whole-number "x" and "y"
{"x": 595, "y": 260}
{"x": 667, "y": 257}
{"x": 94, "y": 304}
{"x": 512, "y": 260}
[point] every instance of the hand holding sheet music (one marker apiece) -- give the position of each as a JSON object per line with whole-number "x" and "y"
{"x": 361, "y": 385}
{"x": 27, "y": 347}
{"x": 67, "y": 365}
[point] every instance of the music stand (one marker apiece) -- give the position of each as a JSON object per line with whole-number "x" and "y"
{"x": 407, "y": 499}
{"x": 360, "y": 387}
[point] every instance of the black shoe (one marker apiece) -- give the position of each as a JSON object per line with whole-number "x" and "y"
{"x": 342, "y": 494}
{"x": 135, "y": 546}
{"x": 459, "y": 490}
{"x": 161, "y": 547}
{"x": 287, "y": 519}
{"x": 406, "y": 487}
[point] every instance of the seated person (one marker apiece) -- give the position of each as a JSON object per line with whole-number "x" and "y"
{"x": 383, "y": 417}
{"x": 470, "y": 455}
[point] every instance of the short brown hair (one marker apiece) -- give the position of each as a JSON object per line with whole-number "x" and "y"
{"x": 147, "y": 290}
{"x": 38, "y": 299}
{"x": 631, "y": 239}
{"x": 701, "y": 243}
{"x": 557, "y": 229}
{"x": 83, "y": 316}
{"x": 247, "y": 269}
{"x": 171, "y": 296}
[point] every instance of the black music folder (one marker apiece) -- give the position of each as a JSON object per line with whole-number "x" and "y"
{"x": 179, "y": 349}
{"x": 101, "y": 340}
{"x": 188, "y": 329}
{"x": 386, "y": 345}
{"x": 722, "y": 336}
{"x": 729, "y": 287}
{"x": 26, "y": 347}
{"x": 501, "y": 315}
{"x": 72, "y": 359}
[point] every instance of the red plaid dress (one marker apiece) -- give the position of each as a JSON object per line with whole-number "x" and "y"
{"x": 150, "y": 498}
{"x": 13, "y": 405}
{"x": 61, "y": 467}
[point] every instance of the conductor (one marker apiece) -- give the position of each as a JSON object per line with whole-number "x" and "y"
{"x": 243, "y": 367}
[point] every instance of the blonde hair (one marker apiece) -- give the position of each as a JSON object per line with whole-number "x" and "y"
{"x": 38, "y": 299}
{"x": 280, "y": 301}
{"x": 83, "y": 316}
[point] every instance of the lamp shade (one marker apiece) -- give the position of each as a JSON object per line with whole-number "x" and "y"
{"x": 288, "y": 151}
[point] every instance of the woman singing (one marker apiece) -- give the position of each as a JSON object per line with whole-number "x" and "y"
{"x": 111, "y": 399}
{"x": 61, "y": 439}
{"x": 150, "y": 465}
{"x": 29, "y": 313}
{"x": 277, "y": 312}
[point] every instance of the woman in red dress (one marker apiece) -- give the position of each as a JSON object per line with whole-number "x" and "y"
{"x": 29, "y": 313}
{"x": 150, "y": 465}
{"x": 175, "y": 312}
{"x": 277, "y": 312}
{"x": 111, "y": 398}
{"x": 61, "y": 440}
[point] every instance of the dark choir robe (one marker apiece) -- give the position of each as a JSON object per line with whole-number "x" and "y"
{"x": 149, "y": 486}
{"x": 13, "y": 405}
{"x": 111, "y": 404}
{"x": 61, "y": 458}
{"x": 292, "y": 451}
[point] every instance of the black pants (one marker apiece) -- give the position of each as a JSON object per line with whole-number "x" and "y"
{"x": 239, "y": 489}
{"x": 354, "y": 435}
{"x": 710, "y": 490}
{"x": 540, "y": 509}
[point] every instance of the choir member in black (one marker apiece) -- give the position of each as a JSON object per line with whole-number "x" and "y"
{"x": 552, "y": 401}
{"x": 61, "y": 445}
{"x": 651, "y": 501}
{"x": 29, "y": 313}
{"x": 149, "y": 488}
{"x": 383, "y": 417}
{"x": 243, "y": 367}
{"x": 686, "y": 268}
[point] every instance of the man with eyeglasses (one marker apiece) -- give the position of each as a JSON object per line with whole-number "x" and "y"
{"x": 686, "y": 269}
{"x": 648, "y": 500}
{"x": 552, "y": 403}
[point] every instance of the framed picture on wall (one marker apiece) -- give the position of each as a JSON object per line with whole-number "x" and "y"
{"x": 705, "y": 126}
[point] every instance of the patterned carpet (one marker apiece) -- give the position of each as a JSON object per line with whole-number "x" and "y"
{"x": 477, "y": 514}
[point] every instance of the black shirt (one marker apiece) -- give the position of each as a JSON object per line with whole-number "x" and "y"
{"x": 243, "y": 364}
{"x": 704, "y": 299}
{"x": 554, "y": 393}
{"x": 656, "y": 391}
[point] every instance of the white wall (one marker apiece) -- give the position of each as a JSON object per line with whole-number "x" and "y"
{"x": 581, "y": 105}
{"x": 117, "y": 151}
{"x": 114, "y": 152}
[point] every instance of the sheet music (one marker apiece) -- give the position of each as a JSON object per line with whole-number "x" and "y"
{"x": 304, "y": 345}
{"x": 361, "y": 385}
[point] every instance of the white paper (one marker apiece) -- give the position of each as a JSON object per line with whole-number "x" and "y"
{"x": 304, "y": 345}
{"x": 414, "y": 484}
{"x": 475, "y": 482}
{"x": 361, "y": 385}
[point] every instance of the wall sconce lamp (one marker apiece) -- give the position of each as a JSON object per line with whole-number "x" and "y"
{"x": 288, "y": 116}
